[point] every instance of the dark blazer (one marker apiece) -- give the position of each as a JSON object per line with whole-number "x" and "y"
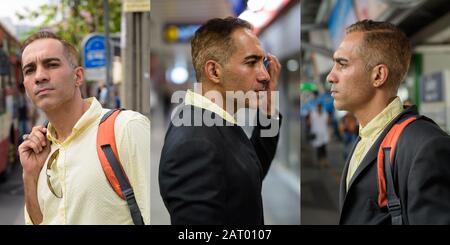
{"x": 214, "y": 174}
{"x": 421, "y": 176}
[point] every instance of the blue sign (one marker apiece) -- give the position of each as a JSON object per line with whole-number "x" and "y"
{"x": 94, "y": 54}
{"x": 433, "y": 87}
{"x": 342, "y": 15}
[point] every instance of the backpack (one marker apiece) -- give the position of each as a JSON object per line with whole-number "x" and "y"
{"x": 385, "y": 163}
{"x": 109, "y": 159}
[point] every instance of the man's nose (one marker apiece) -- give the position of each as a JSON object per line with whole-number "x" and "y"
{"x": 331, "y": 77}
{"x": 41, "y": 75}
{"x": 263, "y": 74}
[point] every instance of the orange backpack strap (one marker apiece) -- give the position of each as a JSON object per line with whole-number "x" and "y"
{"x": 109, "y": 159}
{"x": 385, "y": 163}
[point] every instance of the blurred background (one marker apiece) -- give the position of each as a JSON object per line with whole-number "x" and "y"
{"x": 115, "y": 55}
{"x": 426, "y": 23}
{"x": 277, "y": 24}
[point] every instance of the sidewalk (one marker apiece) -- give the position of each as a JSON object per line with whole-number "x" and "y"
{"x": 320, "y": 187}
{"x": 12, "y": 199}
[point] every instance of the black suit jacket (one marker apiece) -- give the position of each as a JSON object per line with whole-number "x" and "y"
{"x": 214, "y": 174}
{"x": 421, "y": 176}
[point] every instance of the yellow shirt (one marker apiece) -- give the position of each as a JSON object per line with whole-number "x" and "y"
{"x": 87, "y": 197}
{"x": 201, "y": 101}
{"x": 370, "y": 133}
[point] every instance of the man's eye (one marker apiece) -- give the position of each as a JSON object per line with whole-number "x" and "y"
{"x": 28, "y": 71}
{"x": 53, "y": 65}
{"x": 342, "y": 65}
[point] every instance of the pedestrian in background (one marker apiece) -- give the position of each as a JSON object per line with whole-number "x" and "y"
{"x": 319, "y": 120}
{"x": 348, "y": 128}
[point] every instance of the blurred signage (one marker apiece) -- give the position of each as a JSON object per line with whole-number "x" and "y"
{"x": 238, "y": 6}
{"x": 136, "y": 5}
{"x": 308, "y": 86}
{"x": 94, "y": 57}
{"x": 341, "y": 16}
{"x": 179, "y": 33}
{"x": 261, "y": 12}
{"x": 369, "y": 9}
{"x": 433, "y": 87}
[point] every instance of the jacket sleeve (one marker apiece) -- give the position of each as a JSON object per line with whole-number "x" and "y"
{"x": 265, "y": 139}
{"x": 191, "y": 182}
{"x": 429, "y": 183}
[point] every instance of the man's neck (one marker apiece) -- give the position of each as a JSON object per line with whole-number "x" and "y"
{"x": 222, "y": 102}
{"x": 372, "y": 109}
{"x": 64, "y": 118}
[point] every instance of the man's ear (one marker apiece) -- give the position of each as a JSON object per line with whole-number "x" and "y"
{"x": 79, "y": 76}
{"x": 379, "y": 75}
{"x": 213, "y": 71}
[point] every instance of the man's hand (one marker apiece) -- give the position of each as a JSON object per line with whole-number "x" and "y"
{"x": 274, "y": 72}
{"x": 33, "y": 152}
{"x": 274, "y": 69}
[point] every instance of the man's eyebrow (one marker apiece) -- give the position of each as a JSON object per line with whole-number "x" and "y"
{"x": 45, "y": 61}
{"x": 253, "y": 56}
{"x": 340, "y": 60}
{"x": 28, "y": 65}
{"x": 48, "y": 60}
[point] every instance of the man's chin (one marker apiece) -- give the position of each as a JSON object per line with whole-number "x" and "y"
{"x": 45, "y": 105}
{"x": 339, "y": 106}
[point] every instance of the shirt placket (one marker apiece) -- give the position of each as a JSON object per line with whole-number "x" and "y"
{"x": 62, "y": 178}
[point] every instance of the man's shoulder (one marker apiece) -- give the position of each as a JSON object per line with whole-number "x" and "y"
{"x": 188, "y": 119}
{"x": 129, "y": 116}
{"x": 420, "y": 133}
{"x": 425, "y": 127}
{"x": 186, "y": 131}
{"x": 129, "y": 122}
{"x": 193, "y": 132}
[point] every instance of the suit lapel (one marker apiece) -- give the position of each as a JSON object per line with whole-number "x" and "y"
{"x": 371, "y": 155}
{"x": 369, "y": 158}
{"x": 343, "y": 185}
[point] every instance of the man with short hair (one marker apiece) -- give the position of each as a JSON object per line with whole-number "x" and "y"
{"x": 213, "y": 173}
{"x": 63, "y": 179}
{"x": 369, "y": 66}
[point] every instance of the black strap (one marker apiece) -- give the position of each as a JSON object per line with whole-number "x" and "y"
{"x": 124, "y": 185}
{"x": 394, "y": 205}
{"x": 109, "y": 113}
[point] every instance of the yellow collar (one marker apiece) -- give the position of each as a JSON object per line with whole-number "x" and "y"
{"x": 89, "y": 117}
{"x": 377, "y": 124}
{"x": 201, "y": 101}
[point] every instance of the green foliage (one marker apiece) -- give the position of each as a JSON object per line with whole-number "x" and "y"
{"x": 74, "y": 19}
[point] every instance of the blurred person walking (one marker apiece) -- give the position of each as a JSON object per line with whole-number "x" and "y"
{"x": 103, "y": 95}
{"x": 348, "y": 128}
{"x": 318, "y": 121}
{"x": 23, "y": 112}
{"x": 411, "y": 183}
